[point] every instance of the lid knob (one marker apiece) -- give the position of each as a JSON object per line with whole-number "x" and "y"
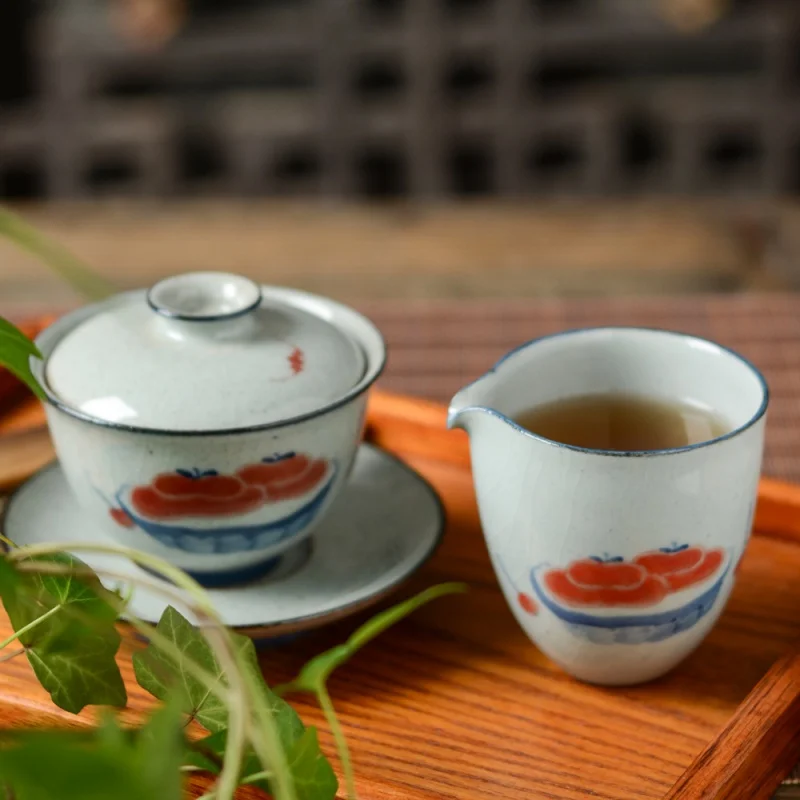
{"x": 204, "y": 296}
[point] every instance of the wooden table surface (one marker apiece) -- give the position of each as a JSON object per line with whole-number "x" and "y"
{"x": 456, "y": 703}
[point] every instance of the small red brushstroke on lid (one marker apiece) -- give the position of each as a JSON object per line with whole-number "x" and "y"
{"x": 296, "y": 361}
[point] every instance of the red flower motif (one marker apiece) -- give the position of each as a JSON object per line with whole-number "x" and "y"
{"x": 645, "y": 581}
{"x": 285, "y": 478}
{"x": 592, "y": 573}
{"x": 209, "y": 494}
{"x": 682, "y": 568}
{"x": 174, "y": 495}
{"x": 597, "y": 583}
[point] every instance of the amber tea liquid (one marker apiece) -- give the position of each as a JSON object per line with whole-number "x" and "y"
{"x": 623, "y": 422}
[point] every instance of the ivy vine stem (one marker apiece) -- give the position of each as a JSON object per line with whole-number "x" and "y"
{"x": 256, "y": 777}
{"x": 29, "y": 627}
{"x": 12, "y": 654}
{"x": 342, "y": 748}
{"x": 6, "y": 541}
{"x": 265, "y": 739}
{"x": 59, "y": 259}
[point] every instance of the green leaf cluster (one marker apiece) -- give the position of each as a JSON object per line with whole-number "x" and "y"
{"x": 66, "y": 622}
{"x": 67, "y": 626}
{"x": 167, "y": 677}
{"x": 96, "y": 764}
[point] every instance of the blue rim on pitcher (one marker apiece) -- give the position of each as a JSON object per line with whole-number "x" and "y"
{"x": 762, "y": 409}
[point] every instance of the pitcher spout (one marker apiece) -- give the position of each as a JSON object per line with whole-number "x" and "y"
{"x": 485, "y": 403}
{"x": 460, "y": 417}
{"x": 466, "y": 406}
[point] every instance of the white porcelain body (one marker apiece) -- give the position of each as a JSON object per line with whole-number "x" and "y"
{"x": 384, "y": 525}
{"x": 103, "y": 465}
{"x": 223, "y": 505}
{"x": 560, "y": 521}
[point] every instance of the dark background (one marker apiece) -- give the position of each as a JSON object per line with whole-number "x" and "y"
{"x": 401, "y": 98}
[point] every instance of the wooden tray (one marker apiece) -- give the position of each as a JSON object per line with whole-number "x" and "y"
{"x": 457, "y": 703}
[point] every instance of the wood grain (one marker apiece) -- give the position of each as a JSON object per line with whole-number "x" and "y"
{"x": 757, "y": 748}
{"x": 457, "y": 703}
{"x": 22, "y": 454}
{"x": 419, "y": 427}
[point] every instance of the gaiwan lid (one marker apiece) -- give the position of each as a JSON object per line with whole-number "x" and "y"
{"x": 203, "y": 351}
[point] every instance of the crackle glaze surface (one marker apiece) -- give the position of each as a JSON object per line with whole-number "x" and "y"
{"x": 200, "y": 501}
{"x": 385, "y": 524}
{"x": 615, "y": 564}
{"x": 221, "y": 428}
{"x": 122, "y": 361}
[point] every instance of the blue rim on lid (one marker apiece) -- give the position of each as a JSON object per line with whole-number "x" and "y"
{"x": 323, "y": 386}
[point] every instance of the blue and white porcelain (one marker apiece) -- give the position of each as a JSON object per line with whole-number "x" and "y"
{"x": 210, "y": 420}
{"x": 603, "y": 624}
{"x": 240, "y": 532}
{"x": 616, "y": 564}
{"x": 386, "y": 522}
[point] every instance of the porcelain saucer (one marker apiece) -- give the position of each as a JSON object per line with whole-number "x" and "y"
{"x": 385, "y": 524}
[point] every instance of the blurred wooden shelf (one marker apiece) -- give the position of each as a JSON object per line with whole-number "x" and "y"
{"x": 471, "y": 250}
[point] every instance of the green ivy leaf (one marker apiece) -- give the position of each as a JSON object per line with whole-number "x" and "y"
{"x": 9, "y": 580}
{"x": 159, "y": 674}
{"x": 315, "y": 673}
{"x": 206, "y": 754}
{"x": 61, "y": 765}
{"x": 16, "y": 351}
{"x": 314, "y": 778}
{"x": 11, "y": 332}
{"x": 96, "y": 764}
{"x": 71, "y": 641}
{"x": 160, "y": 748}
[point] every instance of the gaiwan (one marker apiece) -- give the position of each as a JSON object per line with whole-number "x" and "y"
{"x": 210, "y": 421}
